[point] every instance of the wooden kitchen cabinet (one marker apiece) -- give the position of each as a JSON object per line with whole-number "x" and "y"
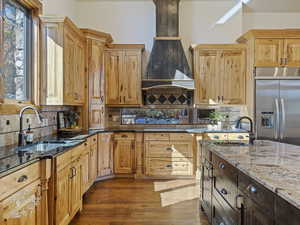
{"x": 95, "y": 45}
{"x": 67, "y": 193}
{"x": 220, "y": 74}
{"x": 123, "y": 71}
{"x": 277, "y": 52}
{"x": 169, "y": 155}
{"x": 23, "y": 207}
{"x": 124, "y": 153}
{"x": 85, "y": 159}
{"x": 105, "y": 154}
{"x": 93, "y": 163}
{"x": 63, "y": 78}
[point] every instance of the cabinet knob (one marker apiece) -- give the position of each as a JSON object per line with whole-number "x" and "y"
{"x": 241, "y": 137}
{"x": 216, "y": 137}
{"x": 224, "y": 191}
{"x": 221, "y": 166}
{"x": 252, "y": 189}
{"x": 169, "y": 149}
{"x": 221, "y": 223}
{"x": 22, "y": 178}
{"x": 169, "y": 166}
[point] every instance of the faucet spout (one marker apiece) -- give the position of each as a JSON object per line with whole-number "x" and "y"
{"x": 251, "y": 131}
{"x": 22, "y": 141}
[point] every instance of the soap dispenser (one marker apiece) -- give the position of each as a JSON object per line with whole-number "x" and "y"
{"x": 29, "y": 135}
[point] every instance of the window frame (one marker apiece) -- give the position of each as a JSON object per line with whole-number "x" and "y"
{"x": 12, "y": 106}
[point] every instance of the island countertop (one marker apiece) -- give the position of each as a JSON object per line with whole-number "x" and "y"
{"x": 272, "y": 164}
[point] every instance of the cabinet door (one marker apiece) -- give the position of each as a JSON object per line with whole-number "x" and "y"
{"x": 79, "y": 81}
{"x": 254, "y": 215}
{"x": 113, "y": 69}
{"x": 130, "y": 79}
{"x": 69, "y": 67}
{"x": 96, "y": 82}
{"x": 75, "y": 187}
{"x": 292, "y": 52}
{"x": 124, "y": 156}
{"x": 23, "y": 207}
{"x": 105, "y": 155}
{"x": 97, "y": 116}
{"x": 268, "y": 52}
{"x": 93, "y": 163}
{"x": 206, "y": 77}
{"x": 63, "y": 194}
{"x": 85, "y": 172}
{"x": 232, "y": 77}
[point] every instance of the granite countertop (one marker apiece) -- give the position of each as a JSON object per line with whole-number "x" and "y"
{"x": 12, "y": 159}
{"x": 272, "y": 164}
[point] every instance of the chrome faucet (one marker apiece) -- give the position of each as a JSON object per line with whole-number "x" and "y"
{"x": 251, "y": 131}
{"x": 22, "y": 135}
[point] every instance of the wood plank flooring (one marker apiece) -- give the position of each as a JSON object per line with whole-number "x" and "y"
{"x": 141, "y": 202}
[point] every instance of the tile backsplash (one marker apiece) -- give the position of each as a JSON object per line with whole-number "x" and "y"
{"x": 10, "y": 124}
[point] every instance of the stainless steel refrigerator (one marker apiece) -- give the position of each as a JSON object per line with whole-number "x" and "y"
{"x": 278, "y": 110}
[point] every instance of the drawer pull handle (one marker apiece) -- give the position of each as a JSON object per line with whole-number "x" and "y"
{"x": 22, "y": 178}
{"x": 221, "y": 166}
{"x": 216, "y": 137}
{"x": 124, "y": 136}
{"x": 169, "y": 149}
{"x": 252, "y": 189}
{"x": 224, "y": 192}
{"x": 241, "y": 137}
{"x": 169, "y": 166}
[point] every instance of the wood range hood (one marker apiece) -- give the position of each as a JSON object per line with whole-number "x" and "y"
{"x": 168, "y": 66}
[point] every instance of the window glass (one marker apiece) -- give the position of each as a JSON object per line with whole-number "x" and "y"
{"x": 17, "y": 51}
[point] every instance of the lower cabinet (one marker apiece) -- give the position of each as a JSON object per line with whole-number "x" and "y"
{"x": 23, "y": 207}
{"x": 85, "y": 159}
{"x": 255, "y": 214}
{"x": 206, "y": 187}
{"x": 169, "y": 155}
{"x": 93, "y": 163}
{"x": 105, "y": 155}
{"x": 124, "y": 153}
{"x": 68, "y": 186}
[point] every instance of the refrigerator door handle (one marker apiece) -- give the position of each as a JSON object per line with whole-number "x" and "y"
{"x": 277, "y": 121}
{"x": 283, "y": 124}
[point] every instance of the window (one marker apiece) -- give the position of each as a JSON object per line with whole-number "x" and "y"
{"x": 17, "y": 51}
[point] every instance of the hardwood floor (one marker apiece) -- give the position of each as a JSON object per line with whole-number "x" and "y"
{"x": 141, "y": 202}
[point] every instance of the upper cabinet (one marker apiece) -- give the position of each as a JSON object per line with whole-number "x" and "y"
{"x": 123, "y": 72}
{"x": 63, "y": 70}
{"x": 220, "y": 74}
{"x": 273, "y": 48}
{"x": 95, "y": 45}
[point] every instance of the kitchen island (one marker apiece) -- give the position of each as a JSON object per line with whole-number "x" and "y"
{"x": 251, "y": 184}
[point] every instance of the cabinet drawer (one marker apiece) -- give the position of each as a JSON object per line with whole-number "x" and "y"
{"x": 181, "y": 137}
{"x": 19, "y": 179}
{"x": 225, "y": 183}
{"x": 157, "y": 136}
{"x": 258, "y": 193}
{"x": 93, "y": 140}
{"x": 238, "y": 137}
{"x": 285, "y": 213}
{"x": 223, "y": 213}
{"x": 163, "y": 149}
{"x": 168, "y": 167}
{"x": 215, "y": 136}
{"x": 63, "y": 160}
{"x": 77, "y": 152}
{"x": 127, "y": 136}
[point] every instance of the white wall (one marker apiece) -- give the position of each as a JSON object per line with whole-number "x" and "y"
{"x": 271, "y": 21}
{"x": 61, "y": 7}
{"x": 132, "y": 21}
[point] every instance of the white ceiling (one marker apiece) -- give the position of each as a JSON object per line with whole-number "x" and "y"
{"x": 273, "y": 6}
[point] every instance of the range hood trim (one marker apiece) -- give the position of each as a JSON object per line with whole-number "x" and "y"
{"x": 163, "y": 83}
